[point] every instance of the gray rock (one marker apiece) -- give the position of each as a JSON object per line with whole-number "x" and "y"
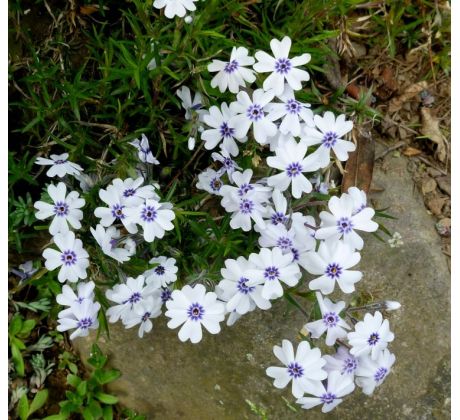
{"x": 166, "y": 379}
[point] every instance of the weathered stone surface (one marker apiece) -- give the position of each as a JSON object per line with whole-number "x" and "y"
{"x": 166, "y": 379}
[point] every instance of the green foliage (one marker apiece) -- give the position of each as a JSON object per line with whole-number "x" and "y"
{"x": 26, "y": 409}
{"x": 87, "y": 397}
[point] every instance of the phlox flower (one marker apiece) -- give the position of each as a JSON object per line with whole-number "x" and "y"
{"x": 281, "y": 67}
{"x": 108, "y": 239}
{"x": 142, "y": 313}
{"x": 163, "y": 274}
{"x": 292, "y": 112}
{"x": 192, "y": 308}
{"x": 292, "y": 160}
{"x": 370, "y": 336}
{"x": 80, "y": 316}
{"x": 222, "y": 131}
{"x": 65, "y": 209}
{"x": 343, "y": 222}
{"x": 67, "y": 297}
{"x": 71, "y": 257}
{"x": 271, "y": 268}
{"x": 233, "y": 73}
{"x": 209, "y": 180}
{"x": 331, "y": 395}
{"x": 342, "y": 361}
{"x": 144, "y": 152}
{"x": 330, "y": 323}
{"x": 252, "y": 112}
{"x": 191, "y": 106}
{"x": 60, "y": 166}
{"x": 328, "y": 135}
{"x": 234, "y": 288}
{"x": 26, "y": 270}
{"x": 132, "y": 193}
{"x": 371, "y": 373}
{"x": 304, "y": 369}
{"x": 332, "y": 262}
{"x": 154, "y": 218}
{"x": 175, "y": 7}
{"x": 228, "y": 164}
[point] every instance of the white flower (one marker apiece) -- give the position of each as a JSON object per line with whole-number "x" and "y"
{"x": 87, "y": 181}
{"x": 67, "y": 297}
{"x": 65, "y": 209}
{"x": 337, "y": 387}
{"x": 142, "y": 313}
{"x": 209, "y": 180}
{"x": 116, "y": 210}
{"x": 191, "y": 143}
{"x": 60, "y": 166}
{"x": 271, "y": 268}
{"x": 342, "y": 362}
{"x": 175, "y": 7}
{"x": 304, "y": 368}
{"x": 332, "y": 262}
{"x": 291, "y": 111}
{"x": 190, "y": 106}
{"x": 131, "y": 192}
{"x": 253, "y": 112}
{"x": 281, "y": 66}
{"x": 80, "y": 316}
{"x": 154, "y": 218}
{"x": 372, "y": 373}
{"x": 392, "y": 305}
{"x": 233, "y": 74}
{"x": 127, "y": 295}
{"x": 396, "y": 240}
{"x": 305, "y": 229}
{"x": 163, "y": 274}
{"x": 331, "y": 322}
{"x": 234, "y": 288}
{"x": 228, "y": 164}
{"x": 278, "y": 214}
{"x": 359, "y": 199}
{"x": 108, "y": 241}
{"x": 188, "y": 19}
{"x": 370, "y": 336}
{"x": 26, "y": 270}
{"x": 290, "y": 158}
{"x": 343, "y": 223}
{"x": 144, "y": 153}
{"x": 221, "y": 130}
{"x": 71, "y": 257}
{"x": 329, "y": 135}
{"x": 193, "y": 307}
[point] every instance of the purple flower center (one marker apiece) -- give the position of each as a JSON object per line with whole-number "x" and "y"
{"x": 380, "y": 374}
{"x": 330, "y": 139}
{"x": 295, "y": 370}
{"x": 195, "y": 312}
{"x": 283, "y": 65}
{"x": 113, "y": 243}
{"x": 129, "y": 192}
{"x": 333, "y": 271}
{"x": 243, "y": 287}
{"x": 293, "y": 106}
{"x": 69, "y": 257}
{"x": 117, "y": 211}
{"x": 146, "y": 316}
{"x": 215, "y": 184}
{"x": 294, "y": 169}
{"x": 373, "y": 339}
{"x": 244, "y": 189}
{"x": 85, "y": 323}
{"x": 278, "y": 217}
{"x": 165, "y": 295}
{"x": 330, "y": 319}
{"x": 61, "y": 209}
{"x": 148, "y": 214}
{"x": 271, "y": 273}
{"x": 255, "y": 112}
{"x": 226, "y": 131}
{"x": 295, "y": 254}
{"x": 344, "y": 225}
{"x": 231, "y": 66}
{"x": 134, "y": 298}
{"x": 160, "y": 270}
{"x": 246, "y": 206}
{"x": 59, "y": 161}
{"x": 328, "y": 398}
{"x": 284, "y": 243}
{"x": 228, "y": 163}
{"x": 349, "y": 365}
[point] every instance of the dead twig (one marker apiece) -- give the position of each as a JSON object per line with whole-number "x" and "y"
{"x": 390, "y": 149}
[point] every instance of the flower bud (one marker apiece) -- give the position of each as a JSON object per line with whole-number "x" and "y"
{"x": 392, "y": 305}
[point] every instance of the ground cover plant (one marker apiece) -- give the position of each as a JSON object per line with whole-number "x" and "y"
{"x": 190, "y": 165}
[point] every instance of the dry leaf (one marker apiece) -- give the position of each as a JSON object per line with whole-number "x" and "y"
{"x": 435, "y": 205}
{"x": 444, "y": 184}
{"x": 428, "y": 185}
{"x": 413, "y": 90}
{"x": 89, "y": 9}
{"x": 430, "y": 129}
{"x": 411, "y": 151}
